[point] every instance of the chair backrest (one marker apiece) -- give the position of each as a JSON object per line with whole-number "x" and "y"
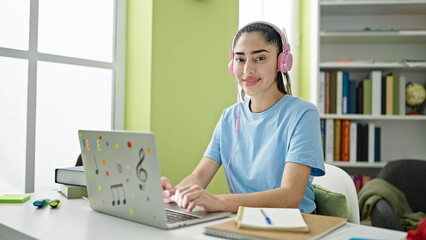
{"x": 409, "y": 177}
{"x": 337, "y": 180}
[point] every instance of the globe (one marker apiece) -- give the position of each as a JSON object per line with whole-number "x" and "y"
{"x": 415, "y": 95}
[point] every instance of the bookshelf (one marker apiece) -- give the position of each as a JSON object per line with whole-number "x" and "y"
{"x": 378, "y": 35}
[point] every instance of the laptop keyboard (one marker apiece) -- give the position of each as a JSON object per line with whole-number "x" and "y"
{"x": 173, "y": 217}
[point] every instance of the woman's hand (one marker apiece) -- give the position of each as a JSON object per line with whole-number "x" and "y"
{"x": 193, "y": 195}
{"x": 168, "y": 190}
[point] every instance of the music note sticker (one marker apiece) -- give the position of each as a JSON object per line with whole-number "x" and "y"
{"x": 118, "y": 193}
{"x": 140, "y": 172}
{"x": 119, "y": 168}
{"x": 96, "y": 164}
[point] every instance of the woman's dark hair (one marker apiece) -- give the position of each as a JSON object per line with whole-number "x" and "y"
{"x": 272, "y": 37}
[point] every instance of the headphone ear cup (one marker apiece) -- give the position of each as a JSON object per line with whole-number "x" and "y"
{"x": 285, "y": 62}
{"x": 230, "y": 68}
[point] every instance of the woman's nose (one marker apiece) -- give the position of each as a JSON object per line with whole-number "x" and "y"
{"x": 249, "y": 67}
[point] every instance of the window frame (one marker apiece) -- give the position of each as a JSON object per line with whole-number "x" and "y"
{"x": 33, "y": 57}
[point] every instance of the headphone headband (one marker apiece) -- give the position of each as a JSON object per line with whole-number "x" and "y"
{"x": 282, "y": 33}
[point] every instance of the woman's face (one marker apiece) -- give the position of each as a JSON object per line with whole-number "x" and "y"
{"x": 255, "y": 65}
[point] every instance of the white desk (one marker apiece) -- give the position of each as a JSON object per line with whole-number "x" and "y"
{"x": 75, "y": 220}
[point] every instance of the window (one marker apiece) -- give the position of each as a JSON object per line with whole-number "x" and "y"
{"x": 62, "y": 69}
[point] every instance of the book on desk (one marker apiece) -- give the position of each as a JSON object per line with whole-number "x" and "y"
{"x": 72, "y": 192}
{"x": 319, "y": 226}
{"x": 71, "y": 176}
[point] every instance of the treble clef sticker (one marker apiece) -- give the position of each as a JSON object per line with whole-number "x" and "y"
{"x": 140, "y": 172}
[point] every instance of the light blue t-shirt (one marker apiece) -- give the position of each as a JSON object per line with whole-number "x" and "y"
{"x": 287, "y": 132}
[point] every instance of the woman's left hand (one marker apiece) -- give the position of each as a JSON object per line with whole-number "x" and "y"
{"x": 193, "y": 195}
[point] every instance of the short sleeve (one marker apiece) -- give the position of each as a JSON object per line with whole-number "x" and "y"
{"x": 305, "y": 143}
{"x": 213, "y": 149}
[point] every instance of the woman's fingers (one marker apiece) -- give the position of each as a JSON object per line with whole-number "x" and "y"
{"x": 183, "y": 196}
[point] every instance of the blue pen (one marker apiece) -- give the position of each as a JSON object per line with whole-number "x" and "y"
{"x": 268, "y": 220}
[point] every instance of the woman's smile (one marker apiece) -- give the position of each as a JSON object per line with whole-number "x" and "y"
{"x": 251, "y": 81}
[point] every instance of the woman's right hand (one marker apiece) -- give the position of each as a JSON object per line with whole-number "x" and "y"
{"x": 168, "y": 190}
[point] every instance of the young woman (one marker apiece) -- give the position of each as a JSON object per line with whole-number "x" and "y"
{"x": 269, "y": 145}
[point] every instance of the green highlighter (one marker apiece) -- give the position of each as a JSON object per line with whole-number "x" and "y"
{"x": 54, "y": 203}
{"x": 14, "y": 198}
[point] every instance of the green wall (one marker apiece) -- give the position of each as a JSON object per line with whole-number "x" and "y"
{"x": 138, "y": 65}
{"x": 177, "y": 82}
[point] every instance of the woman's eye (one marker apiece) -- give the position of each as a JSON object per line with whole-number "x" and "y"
{"x": 260, "y": 58}
{"x": 239, "y": 60}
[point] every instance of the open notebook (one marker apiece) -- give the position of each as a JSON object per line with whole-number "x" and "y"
{"x": 284, "y": 219}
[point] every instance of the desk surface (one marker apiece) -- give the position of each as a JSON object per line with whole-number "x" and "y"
{"x": 75, "y": 220}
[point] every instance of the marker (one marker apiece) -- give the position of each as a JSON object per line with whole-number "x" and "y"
{"x": 41, "y": 202}
{"x": 268, "y": 220}
{"x": 54, "y": 203}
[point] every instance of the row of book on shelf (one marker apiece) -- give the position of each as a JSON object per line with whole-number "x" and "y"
{"x": 349, "y": 141}
{"x": 377, "y": 94}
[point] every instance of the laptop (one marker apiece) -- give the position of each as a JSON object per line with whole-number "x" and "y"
{"x": 123, "y": 179}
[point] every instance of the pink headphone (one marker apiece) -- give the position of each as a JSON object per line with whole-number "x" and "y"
{"x": 285, "y": 59}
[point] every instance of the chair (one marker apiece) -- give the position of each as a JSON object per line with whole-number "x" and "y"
{"x": 410, "y": 178}
{"x": 337, "y": 180}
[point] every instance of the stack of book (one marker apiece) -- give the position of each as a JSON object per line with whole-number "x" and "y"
{"x": 72, "y": 192}
{"x": 349, "y": 141}
{"x": 376, "y": 94}
{"x": 287, "y": 225}
{"x": 72, "y": 182}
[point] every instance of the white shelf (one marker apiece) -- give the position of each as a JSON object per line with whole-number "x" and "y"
{"x": 369, "y": 2}
{"x": 349, "y": 36}
{"x": 368, "y": 65}
{"x": 373, "y": 6}
{"x": 359, "y": 164}
{"x": 371, "y": 117}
